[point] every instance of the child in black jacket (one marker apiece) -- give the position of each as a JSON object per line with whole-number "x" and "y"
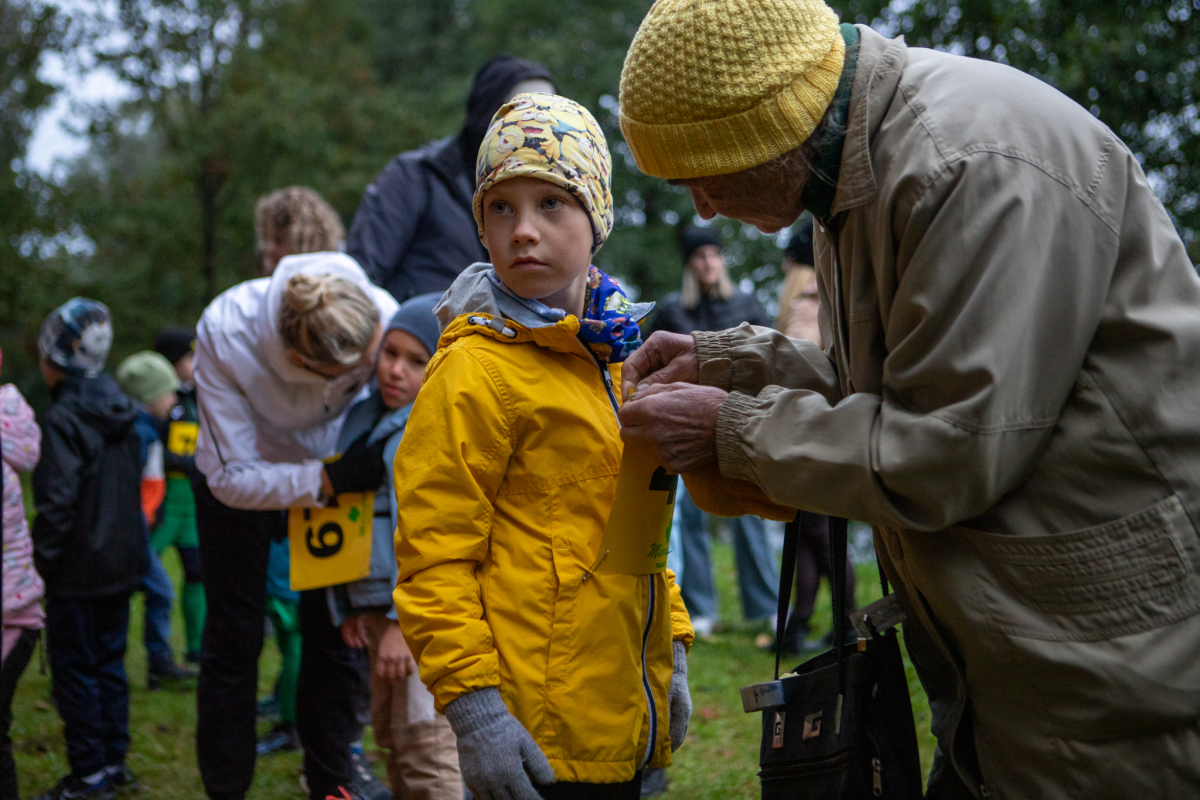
{"x": 89, "y": 543}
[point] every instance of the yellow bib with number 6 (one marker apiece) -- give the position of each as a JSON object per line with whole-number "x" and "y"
{"x": 331, "y": 545}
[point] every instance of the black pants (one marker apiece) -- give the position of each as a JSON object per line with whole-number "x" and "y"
{"x": 86, "y": 642}
{"x": 327, "y": 697}
{"x": 10, "y": 673}
{"x": 233, "y": 557}
{"x": 630, "y": 790}
{"x": 812, "y": 561}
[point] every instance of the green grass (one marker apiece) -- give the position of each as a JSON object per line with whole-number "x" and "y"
{"x": 718, "y": 761}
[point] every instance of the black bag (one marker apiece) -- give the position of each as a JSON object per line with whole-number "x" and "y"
{"x": 841, "y": 725}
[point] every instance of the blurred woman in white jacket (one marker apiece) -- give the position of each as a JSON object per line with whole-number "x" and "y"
{"x": 278, "y": 362}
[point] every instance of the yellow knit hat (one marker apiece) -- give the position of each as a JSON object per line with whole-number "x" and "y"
{"x": 711, "y": 87}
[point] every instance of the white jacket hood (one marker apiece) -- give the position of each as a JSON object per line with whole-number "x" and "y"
{"x": 266, "y": 422}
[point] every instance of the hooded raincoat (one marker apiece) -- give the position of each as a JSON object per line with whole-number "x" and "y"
{"x": 504, "y": 483}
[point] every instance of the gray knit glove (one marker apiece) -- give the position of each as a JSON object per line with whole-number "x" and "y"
{"x": 679, "y": 697}
{"x": 497, "y": 755}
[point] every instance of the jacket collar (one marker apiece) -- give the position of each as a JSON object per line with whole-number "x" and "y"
{"x": 880, "y": 63}
{"x": 818, "y": 193}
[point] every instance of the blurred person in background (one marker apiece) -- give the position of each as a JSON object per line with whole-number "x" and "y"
{"x": 278, "y": 362}
{"x": 709, "y": 301}
{"x": 414, "y": 231}
{"x": 294, "y": 220}
{"x": 89, "y": 545}
{"x": 149, "y": 380}
{"x": 422, "y": 756}
{"x": 20, "y": 444}
{"x": 177, "y": 525}
{"x": 798, "y": 306}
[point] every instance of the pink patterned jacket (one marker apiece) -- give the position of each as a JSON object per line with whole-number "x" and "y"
{"x": 20, "y": 445}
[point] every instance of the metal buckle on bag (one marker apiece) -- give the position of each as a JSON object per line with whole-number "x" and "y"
{"x": 878, "y": 618}
{"x": 762, "y": 696}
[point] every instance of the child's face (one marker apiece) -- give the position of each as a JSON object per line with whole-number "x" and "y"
{"x": 184, "y": 368}
{"x": 160, "y": 408}
{"x": 401, "y": 368}
{"x": 540, "y": 240}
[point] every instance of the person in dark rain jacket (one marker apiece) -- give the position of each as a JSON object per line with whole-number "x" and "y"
{"x": 414, "y": 231}
{"x": 89, "y": 543}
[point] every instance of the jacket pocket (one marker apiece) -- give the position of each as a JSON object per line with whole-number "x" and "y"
{"x": 1124, "y": 577}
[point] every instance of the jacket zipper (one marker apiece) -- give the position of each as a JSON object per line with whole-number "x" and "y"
{"x": 650, "y": 707}
{"x": 646, "y": 678}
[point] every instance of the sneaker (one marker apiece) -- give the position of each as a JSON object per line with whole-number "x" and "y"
{"x": 703, "y": 626}
{"x": 347, "y": 793}
{"x": 268, "y": 707}
{"x": 122, "y": 778}
{"x": 365, "y": 782}
{"x": 159, "y": 676}
{"x": 654, "y": 782}
{"x": 282, "y": 737}
{"x": 71, "y": 788}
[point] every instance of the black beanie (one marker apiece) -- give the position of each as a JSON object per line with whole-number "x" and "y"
{"x": 491, "y": 86}
{"x": 174, "y": 342}
{"x": 693, "y": 237}
{"x": 800, "y": 246}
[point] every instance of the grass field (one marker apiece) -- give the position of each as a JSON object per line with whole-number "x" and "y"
{"x": 717, "y": 762}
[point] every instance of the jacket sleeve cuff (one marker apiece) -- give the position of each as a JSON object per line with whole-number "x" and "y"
{"x": 731, "y": 456}
{"x": 713, "y": 358}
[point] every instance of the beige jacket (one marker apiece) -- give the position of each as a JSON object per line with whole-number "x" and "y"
{"x": 1012, "y": 397}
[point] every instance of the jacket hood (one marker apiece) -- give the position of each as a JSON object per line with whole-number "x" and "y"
{"x": 326, "y": 263}
{"x": 477, "y": 291}
{"x": 99, "y": 403}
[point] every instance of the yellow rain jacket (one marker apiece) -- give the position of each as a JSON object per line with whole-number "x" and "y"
{"x": 504, "y": 481}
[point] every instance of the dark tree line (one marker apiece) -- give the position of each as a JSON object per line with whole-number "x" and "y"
{"x": 230, "y": 100}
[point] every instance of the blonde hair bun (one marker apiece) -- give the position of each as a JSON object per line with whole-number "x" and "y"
{"x": 327, "y": 319}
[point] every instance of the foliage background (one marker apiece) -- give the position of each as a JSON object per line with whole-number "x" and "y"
{"x": 231, "y": 100}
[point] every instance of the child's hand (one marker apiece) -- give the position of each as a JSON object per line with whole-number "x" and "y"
{"x": 354, "y": 631}
{"x": 394, "y": 660}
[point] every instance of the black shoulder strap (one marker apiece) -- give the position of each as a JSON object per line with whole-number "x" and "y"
{"x": 787, "y": 573}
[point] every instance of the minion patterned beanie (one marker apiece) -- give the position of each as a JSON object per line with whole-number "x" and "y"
{"x": 711, "y": 87}
{"x": 553, "y": 139}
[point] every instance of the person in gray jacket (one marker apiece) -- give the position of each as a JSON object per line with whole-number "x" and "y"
{"x": 1009, "y": 394}
{"x": 422, "y": 752}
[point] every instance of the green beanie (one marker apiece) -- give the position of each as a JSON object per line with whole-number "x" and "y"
{"x": 146, "y": 376}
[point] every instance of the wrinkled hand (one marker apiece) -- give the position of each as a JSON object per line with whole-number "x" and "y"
{"x": 354, "y": 631}
{"x": 394, "y": 661}
{"x": 497, "y": 755}
{"x": 664, "y": 358}
{"x": 360, "y": 468}
{"x": 679, "y": 697}
{"x": 680, "y": 419}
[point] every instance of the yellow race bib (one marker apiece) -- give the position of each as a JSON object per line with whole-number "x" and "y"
{"x": 330, "y": 546}
{"x": 637, "y": 537}
{"x": 181, "y": 438}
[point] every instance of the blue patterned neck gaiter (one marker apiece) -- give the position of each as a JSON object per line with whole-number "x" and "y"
{"x": 608, "y": 326}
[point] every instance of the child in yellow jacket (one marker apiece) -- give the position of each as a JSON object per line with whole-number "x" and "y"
{"x": 559, "y": 681}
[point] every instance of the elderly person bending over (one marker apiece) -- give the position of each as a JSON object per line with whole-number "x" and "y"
{"x": 1009, "y": 394}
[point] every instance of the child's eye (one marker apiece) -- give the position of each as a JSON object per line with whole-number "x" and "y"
{"x": 500, "y": 207}
{"x": 552, "y": 203}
